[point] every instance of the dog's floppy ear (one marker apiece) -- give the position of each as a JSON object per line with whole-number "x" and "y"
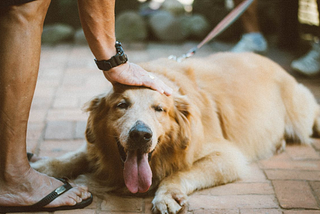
{"x": 182, "y": 116}
{"x": 93, "y": 104}
{"x": 94, "y": 107}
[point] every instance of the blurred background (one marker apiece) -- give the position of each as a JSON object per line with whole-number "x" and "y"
{"x": 176, "y": 21}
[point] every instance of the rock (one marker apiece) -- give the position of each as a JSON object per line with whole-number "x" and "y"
{"x": 214, "y": 11}
{"x": 173, "y": 6}
{"x": 195, "y": 26}
{"x": 53, "y": 34}
{"x": 79, "y": 37}
{"x": 130, "y": 27}
{"x": 166, "y": 27}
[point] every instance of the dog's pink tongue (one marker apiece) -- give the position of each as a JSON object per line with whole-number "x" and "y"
{"x": 137, "y": 173}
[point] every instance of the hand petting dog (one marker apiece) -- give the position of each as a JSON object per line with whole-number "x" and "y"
{"x": 134, "y": 75}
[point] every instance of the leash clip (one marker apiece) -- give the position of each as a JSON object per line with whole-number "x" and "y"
{"x": 190, "y": 53}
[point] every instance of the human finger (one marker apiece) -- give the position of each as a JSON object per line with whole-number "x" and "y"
{"x": 160, "y": 86}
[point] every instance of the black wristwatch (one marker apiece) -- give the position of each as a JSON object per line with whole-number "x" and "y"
{"x": 118, "y": 59}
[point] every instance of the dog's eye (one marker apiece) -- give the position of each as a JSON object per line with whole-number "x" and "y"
{"x": 159, "y": 109}
{"x": 122, "y": 105}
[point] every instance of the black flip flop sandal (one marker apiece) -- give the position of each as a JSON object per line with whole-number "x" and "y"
{"x": 39, "y": 206}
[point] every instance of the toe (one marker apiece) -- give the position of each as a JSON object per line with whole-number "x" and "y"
{"x": 70, "y": 198}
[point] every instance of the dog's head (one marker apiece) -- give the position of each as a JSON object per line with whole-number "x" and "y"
{"x": 133, "y": 123}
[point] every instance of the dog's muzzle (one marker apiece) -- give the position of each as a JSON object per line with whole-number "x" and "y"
{"x": 140, "y": 137}
{"x": 135, "y": 156}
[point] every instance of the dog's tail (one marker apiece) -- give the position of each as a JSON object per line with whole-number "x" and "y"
{"x": 303, "y": 114}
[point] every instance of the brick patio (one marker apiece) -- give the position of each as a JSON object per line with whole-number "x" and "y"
{"x": 288, "y": 183}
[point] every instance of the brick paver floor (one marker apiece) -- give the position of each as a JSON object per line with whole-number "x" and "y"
{"x": 288, "y": 183}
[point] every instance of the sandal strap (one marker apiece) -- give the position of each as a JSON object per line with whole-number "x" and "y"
{"x": 53, "y": 195}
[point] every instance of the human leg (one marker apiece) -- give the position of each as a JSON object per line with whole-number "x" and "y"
{"x": 289, "y": 25}
{"x": 20, "y": 45}
{"x": 309, "y": 64}
{"x": 250, "y": 18}
{"x": 252, "y": 40}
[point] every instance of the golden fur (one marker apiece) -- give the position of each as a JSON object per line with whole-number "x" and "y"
{"x": 226, "y": 110}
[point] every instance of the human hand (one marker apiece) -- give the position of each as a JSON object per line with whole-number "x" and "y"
{"x": 132, "y": 74}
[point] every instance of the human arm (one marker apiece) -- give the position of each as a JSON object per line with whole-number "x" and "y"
{"x": 97, "y": 19}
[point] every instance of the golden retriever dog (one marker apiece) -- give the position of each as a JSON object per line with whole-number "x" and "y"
{"x": 226, "y": 110}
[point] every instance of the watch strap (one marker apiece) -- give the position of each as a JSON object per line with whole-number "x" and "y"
{"x": 118, "y": 59}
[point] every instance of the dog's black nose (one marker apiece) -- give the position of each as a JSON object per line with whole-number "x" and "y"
{"x": 140, "y": 133}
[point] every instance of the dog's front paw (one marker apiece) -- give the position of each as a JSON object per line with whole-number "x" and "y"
{"x": 170, "y": 201}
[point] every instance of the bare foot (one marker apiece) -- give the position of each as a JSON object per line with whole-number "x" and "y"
{"x": 28, "y": 189}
